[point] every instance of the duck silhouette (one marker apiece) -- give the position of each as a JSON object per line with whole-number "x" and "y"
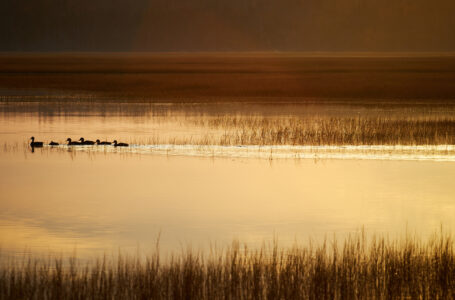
{"x": 120, "y": 144}
{"x": 52, "y": 143}
{"x": 71, "y": 143}
{"x": 35, "y": 144}
{"x": 84, "y": 142}
{"x": 98, "y": 142}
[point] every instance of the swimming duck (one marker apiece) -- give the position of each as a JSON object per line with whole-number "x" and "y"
{"x": 84, "y": 142}
{"x": 35, "y": 144}
{"x": 120, "y": 144}
{"x": 98, "y": 142}
{"x": 71, "y": 143}
{"x": 52, "y": 143}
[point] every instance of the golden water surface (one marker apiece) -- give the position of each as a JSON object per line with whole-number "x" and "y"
{"x": 99, "y": 199}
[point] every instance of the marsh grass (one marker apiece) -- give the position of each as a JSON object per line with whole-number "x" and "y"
{"x": 331, "y": 130}
{"x": 250, "y": 124}
{"x": 358, "y": 268}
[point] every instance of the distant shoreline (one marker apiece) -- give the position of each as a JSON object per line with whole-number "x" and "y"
{"x": 227, "y": 77}
{"x": 235, "y": 53}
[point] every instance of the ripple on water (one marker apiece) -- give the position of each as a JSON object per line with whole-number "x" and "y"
{"x": 363, "y": 152}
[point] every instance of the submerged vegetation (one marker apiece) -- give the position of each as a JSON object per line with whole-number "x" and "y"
{"x": 358, "y": 268}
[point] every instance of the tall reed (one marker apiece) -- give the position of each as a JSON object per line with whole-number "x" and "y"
{"x": 330, "y": 130}
{"x": 357, "y": 268}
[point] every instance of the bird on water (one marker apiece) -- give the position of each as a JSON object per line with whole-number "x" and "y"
{"x": 120, "y": 144}
{"x": 98, "y": 142}
{"x": 71, "y": 143}
{"x": 35, "y": 144}
{"x": 84, "y": 142}
{"x": 52, "y": 143}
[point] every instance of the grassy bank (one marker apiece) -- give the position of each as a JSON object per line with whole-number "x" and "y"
{"x": 357, "y": 268}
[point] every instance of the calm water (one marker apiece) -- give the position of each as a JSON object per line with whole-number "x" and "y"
{"x": 103, "y": 199}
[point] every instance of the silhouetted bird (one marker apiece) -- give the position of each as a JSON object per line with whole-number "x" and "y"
{"x": 120, "y": 144}
{"x": 52, "y": 143}
{"x": 103, "y": 143}
{"x": 35, "y": 144}
{"x": 84, "y": 142}
{"x": 71, "y": 143}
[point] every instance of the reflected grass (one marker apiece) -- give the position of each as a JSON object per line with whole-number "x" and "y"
{"x": 358, "y": 267}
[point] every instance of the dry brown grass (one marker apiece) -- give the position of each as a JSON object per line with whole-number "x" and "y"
{"x": 262, "y": 124}
{"x": 332, "y": 130}
{"x": 355, "y": 269}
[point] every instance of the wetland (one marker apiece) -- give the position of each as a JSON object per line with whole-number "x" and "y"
{"x": 243, "y": 175}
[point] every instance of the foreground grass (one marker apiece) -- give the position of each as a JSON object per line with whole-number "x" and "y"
{"x": 354, "y": 269}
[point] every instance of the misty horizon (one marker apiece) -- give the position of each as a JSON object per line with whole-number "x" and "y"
{"x": 247, "y": 25}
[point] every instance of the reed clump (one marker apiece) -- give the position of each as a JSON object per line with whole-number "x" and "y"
{"x": 331, "y": 130}
{"x": 358, "y": 268}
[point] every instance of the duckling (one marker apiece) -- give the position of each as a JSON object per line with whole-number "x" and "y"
{"x": 98, "y": 142}
{"x": 52, "y": 143}
{"x": 71, "y": 143}
{"x": 35, "y": 144}
{"x": 120, "y": 144}
{"x": 84, "y": 142}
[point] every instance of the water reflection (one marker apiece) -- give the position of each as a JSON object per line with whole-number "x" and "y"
{"x": 440, "y": 153}
{"x": 100, "y": 198}
{"x": 86, "y": 108}
{"x": 102, "y": 202}
{"x": 191, "y": 125}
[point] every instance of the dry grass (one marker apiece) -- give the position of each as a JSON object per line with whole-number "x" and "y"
{"x": 356, "y": 269}
{"x": 331, "y": 130}
{"x": 260, "y": 124}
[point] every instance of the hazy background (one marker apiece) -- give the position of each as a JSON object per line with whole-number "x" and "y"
{"x": 227, "y": 25}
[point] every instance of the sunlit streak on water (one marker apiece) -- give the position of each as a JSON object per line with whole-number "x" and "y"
{"x": 377, "y": 152}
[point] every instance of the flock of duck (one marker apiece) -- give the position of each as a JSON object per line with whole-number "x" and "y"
{"x": 81, "y": 142}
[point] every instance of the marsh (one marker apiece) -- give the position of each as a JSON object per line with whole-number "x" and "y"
{"x": 99, "y": 198}
{"x": 225, "y": 160}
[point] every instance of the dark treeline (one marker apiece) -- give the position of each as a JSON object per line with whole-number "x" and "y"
{"x": 227, "y": 25}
